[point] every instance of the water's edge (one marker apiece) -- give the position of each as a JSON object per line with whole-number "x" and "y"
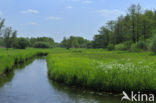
{"x": 20, "y": 63}
{"x": 30, "y": 84}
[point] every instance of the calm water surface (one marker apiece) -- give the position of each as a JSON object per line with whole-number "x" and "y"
{"x": 30, "y": 84}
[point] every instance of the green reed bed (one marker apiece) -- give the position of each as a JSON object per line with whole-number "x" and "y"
{"x": 122, "y": 71}
{"x": 10, "y": 58}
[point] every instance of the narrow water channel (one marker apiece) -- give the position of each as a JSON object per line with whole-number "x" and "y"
{"x": 30, "y": 84}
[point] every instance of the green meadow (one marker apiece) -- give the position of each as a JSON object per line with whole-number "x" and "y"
{"x": 98, "y": 69}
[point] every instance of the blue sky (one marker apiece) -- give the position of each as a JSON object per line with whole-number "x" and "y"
{"x": 59, "y": 18}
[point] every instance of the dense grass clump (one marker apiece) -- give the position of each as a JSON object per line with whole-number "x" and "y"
{"x": 103, "y": 70}
{"x": 10, "y": 58}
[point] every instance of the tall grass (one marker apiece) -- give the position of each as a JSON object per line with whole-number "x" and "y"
{"x": 122, "y": 71}
{"x": 11, "y": 57}
{"x": 91, "y": 68}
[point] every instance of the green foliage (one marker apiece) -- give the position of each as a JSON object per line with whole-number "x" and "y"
{"x": 2, "y": 42}
{"x": 124, "y": 46}
{"x": 102, "y": 39}
{"x": 102, "y": 70}
{"x": 48, "y": 40}
{"x": 149, "y": 43}
{"x": 22, "y": 43}
{"x": 135, "y": 27}
{"x": 120, "y": 47}
{"x": 74, "y": 42}
{"x": 135, "y": 48}
{"x": 7, "y": 36}
{"x": 154, "y": 45}
{"x": 1, "y": 25}
{"x": 41, "y": 45}
{"x": 9, "y": 58}
{"x": 91, "y": 68}
{"x": 110, "y": 47}
{"x": 127, "y": 45}
{"x": 142, "y": 45}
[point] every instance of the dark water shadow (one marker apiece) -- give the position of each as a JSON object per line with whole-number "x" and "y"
{"x": 6, "y": 78}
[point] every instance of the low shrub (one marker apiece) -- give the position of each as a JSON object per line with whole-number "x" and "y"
{"x": 110, "y": 47}
{"x": 135, "y": 48}
{"x": 123, "y": 46}
{"x": 142, "y": 45}
{"x": 154, "y": 45}
{"x": 127, "y": 45}
{"x": 22, "y": 43}
{"x": 120, "y": 47}
{"x": 41, "y": 45}
{"x": 149, "y": 43}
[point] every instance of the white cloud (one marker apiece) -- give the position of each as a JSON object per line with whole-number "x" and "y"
{"x": 108, "y": 13}
{"x": 86, "y": 1}
{"x": 30, "y": 11}
{"x": 30, "y": 24}
{"x": 53, "y": 18}
{"x": 69, "y": 7}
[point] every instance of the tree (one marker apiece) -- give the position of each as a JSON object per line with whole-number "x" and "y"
{"x": 42, "y": 39}
{"x": 135, "y": 27}
{"x": 41, "y": 45}
{"x": 118, "y": 31}
{"x": 74, "y": 42}
{"x": 64, "y": 42}
{"x": 1, "y": 25}
{"x": 14, "y": 41}
{"x": 103, "y": 38}
{"x": 7, "y": 37}
{"x": 154, "y": 45}
{"x": 22, "y": 43}
{"x": 132, "y": 13}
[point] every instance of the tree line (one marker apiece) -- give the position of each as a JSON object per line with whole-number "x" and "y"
{"x": 75, "y": 42}
{"x": 9, "y": 39}
{"x": 134, "y": 31}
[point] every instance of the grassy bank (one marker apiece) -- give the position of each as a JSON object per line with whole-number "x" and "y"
{"x": 104, "y": 70}
{"x": 10, "y": 58}
{"x": 98, "y": 69}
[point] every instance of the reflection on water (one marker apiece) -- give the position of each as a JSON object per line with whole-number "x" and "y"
{"x": 30, "y": 84}
{"x": 8, "y": 77}
{"x": 86, "y": 96}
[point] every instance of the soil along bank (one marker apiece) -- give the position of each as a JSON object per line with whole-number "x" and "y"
{"x": 9, "y": 59}
{"x": 98, "y": 75}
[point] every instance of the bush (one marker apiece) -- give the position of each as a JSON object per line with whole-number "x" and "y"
{"x": 127, "y": 45}
{"x": 142, "y": 45}
{"x": 149, "y": 43}
{"x": 120, "y": 47}
{"x": 41, "y": 45}
{"x": 134, "y": 48}
{"x": 22, "y": 43}
{"x": 124, "y": 46}
{"x": 110, "y": 47}
{"x": 154, "y": 45}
